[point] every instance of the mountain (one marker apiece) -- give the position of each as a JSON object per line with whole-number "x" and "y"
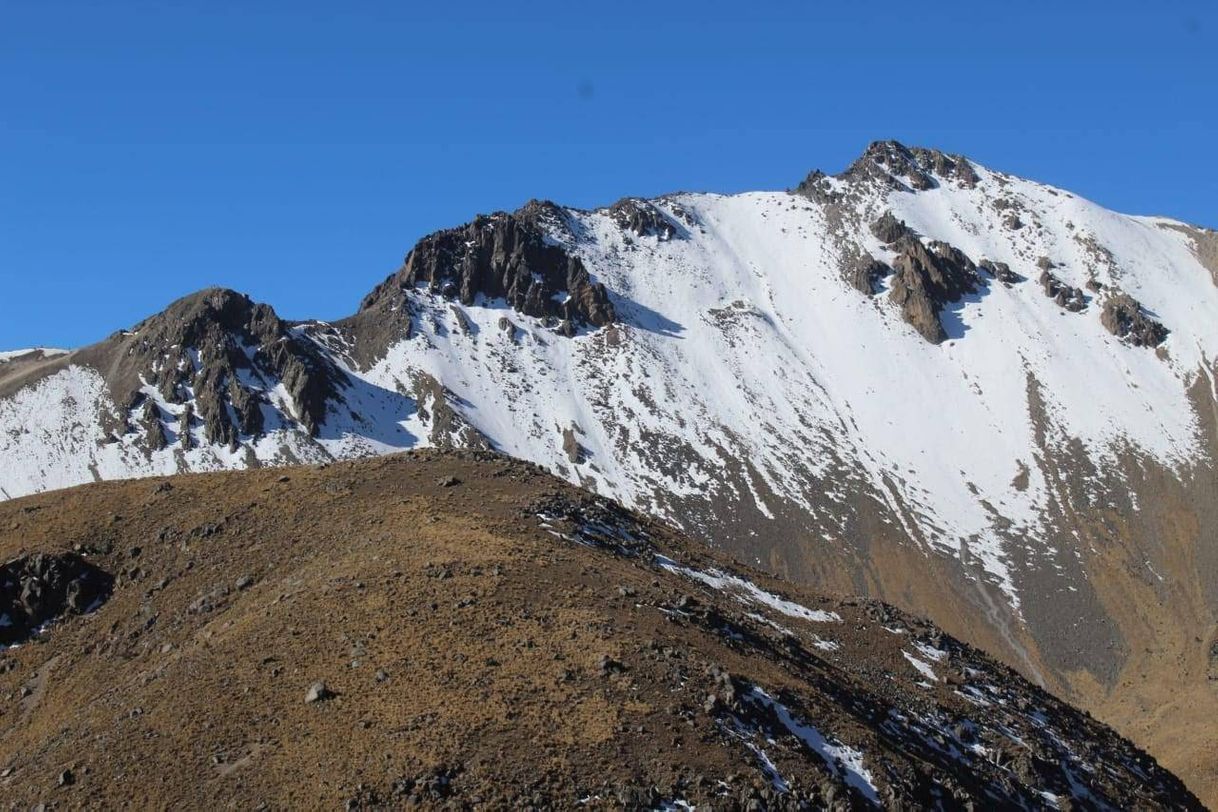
{"x": 977, "y": 397}
{"x": 380, "y": 633}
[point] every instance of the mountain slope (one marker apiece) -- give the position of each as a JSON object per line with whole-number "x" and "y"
{"x": 386, "y": 631}
{"x": 978, "y": 397}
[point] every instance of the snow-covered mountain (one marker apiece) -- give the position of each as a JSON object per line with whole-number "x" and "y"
{"x": 980, "y": 397}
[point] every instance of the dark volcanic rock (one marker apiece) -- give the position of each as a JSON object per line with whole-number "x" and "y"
{"x": 888, "y": 229}
{"x": 1124, "y": 317}
{"x": 927, "y": 278}
{"x": 1067, "y": 296}
{"x": 864, "y": 272}
{"x": 1000, "y": 271}
{"x": 642, "y": 218}
{"x": 913, "y": 168}
{"x": 895, "y": 166}
{"x": 501, "y": 256}
{"x": 40, "y": 588}
{"x": 817, "y": 187}
{"x": 222, "y": 351}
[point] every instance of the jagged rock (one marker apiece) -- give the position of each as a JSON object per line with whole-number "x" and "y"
{"x": 215, "y": 352}
{"x": 916, "y": 169}
{"x": 927, "y": 278}
{"x": 818, "y": 187}
{"x": 1124, "y": 317}
{"x": 1066, "y": 296}
{"x": 1000, "y": 271}
{"x": 154, "y": 429}
{"x": 642, "y": 218}
{"x": 501, "y": 256}
{"x": 864, "y": 272}
{"x": 888, "y": 229}
{"x": 39, "y": 588}
{"x": 575, "y": 451}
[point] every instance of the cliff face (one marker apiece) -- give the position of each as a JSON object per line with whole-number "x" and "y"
{"x": 504, "y": 256}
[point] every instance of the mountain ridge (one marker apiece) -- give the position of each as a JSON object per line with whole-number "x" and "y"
{"x": 803, "y": 377}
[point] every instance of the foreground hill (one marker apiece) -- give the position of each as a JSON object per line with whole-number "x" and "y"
{"x": 976, "y": 396}
{"x": 463, "y": 628}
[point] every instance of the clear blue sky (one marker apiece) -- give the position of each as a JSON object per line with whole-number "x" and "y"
{"x": 296, "y": 151}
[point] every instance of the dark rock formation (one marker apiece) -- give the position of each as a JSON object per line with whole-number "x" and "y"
{"x": 864, "y": 273}
{"x": 152, "y": 422}
{"x": 642, "y": 218}
{"x": 222, "y": 352}
{"x": 895, "y": 166}
{"x": 37, "y": 589}
{"x": 1000, "y": 271}
{"x": 1071, "y": 298}
{"x": 916, "y": 168}
{"x": 817, "y": 187}
{"x": 888, "y": 229}
{"x": 571, "y": 446}
{"x": 501, "y": 256}
{"x": 1124, "y": 317}
{"x": 927, "y": 278}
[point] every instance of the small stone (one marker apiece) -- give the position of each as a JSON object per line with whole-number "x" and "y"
{"x": 448, "y": 481}
{"x": 382, "y": 675}
{"x": 67, "y": 778}
{"x": 284, "y": 478}
{"x": 318, "y": 692}
{"x": 245, "y": 582}
{"x": 608, "y": 665}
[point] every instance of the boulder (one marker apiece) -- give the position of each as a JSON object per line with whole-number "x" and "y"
{"x": 1124, "y": 317}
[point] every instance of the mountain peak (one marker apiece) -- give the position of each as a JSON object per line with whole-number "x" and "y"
{"x": 913, "y": 168}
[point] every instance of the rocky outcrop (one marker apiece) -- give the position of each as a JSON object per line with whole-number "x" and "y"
{"x": 864, "y": 272}
{"x": 888, "y": 229}
{"x": 927, "y": 277}
{"x": 40, "y": 588}
{"x": 911, "y": 169}
{"x": 1124, "y": 317}
{"x": 893, "y": 166}
{"x": 818, "y": 187}
{"x": 642, "y": 218}
{"x": 1000, "y": 271}
{"x": 502, "y": 256}
{"x": 1066, "y": 296}
{"x": 572, "y": 447}
{"x": 223, "y": 355}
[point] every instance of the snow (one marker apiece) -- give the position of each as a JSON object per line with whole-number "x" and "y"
{"x": 739, "y": 341}
{"x": 923, "y": 667}
{"x": 747, "y": 592}
{"x": 844, "y": 760}
{"x": 49, "y": 352}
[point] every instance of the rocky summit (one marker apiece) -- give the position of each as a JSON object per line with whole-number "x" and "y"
{"x": 979, "y": 398}
{"x": 462, "y": 630}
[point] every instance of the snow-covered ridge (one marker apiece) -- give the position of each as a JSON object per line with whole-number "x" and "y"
{"x": 45, "y": 352}
{"x": 743, "y": 368}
